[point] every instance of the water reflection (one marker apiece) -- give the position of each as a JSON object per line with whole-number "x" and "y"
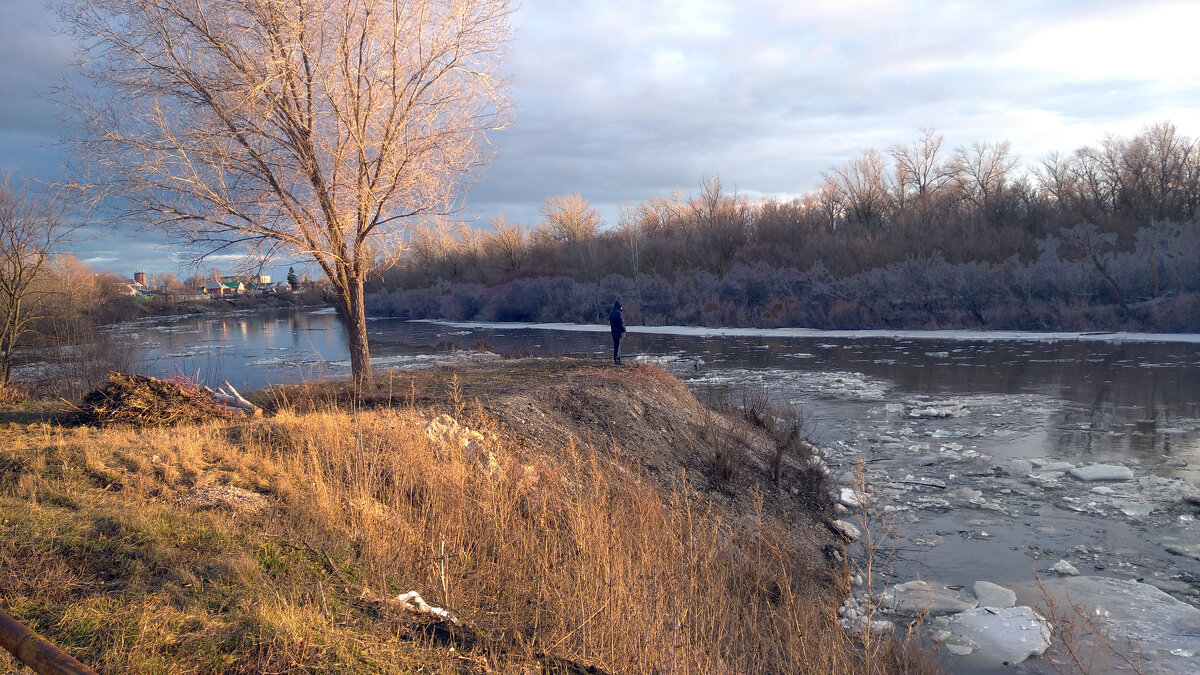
{"x": 1118, "y": 383}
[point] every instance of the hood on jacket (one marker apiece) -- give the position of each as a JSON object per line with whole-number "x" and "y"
{"x": 617, "y": 306}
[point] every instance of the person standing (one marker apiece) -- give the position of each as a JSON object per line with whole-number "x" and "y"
{"x": 617, "y": 323}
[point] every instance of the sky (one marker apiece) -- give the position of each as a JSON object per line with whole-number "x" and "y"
{"x": 625, "y": 100}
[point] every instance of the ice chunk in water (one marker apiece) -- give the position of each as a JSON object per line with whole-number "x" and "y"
{"x": 1001, "y": 635}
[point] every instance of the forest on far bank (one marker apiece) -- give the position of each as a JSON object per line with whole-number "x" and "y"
{"x": 917, "y": 236}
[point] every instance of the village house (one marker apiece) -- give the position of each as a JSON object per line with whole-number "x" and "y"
{"x": 224, "y": 288}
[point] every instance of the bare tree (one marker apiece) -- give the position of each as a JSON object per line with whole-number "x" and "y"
{"x": 981, "y": 171}
{"x": 431, "y": 245}
{"x": 570, "y": 222}
{"x": 569, "y": 219}
{"x": 31, "y": 229}
{"x": 311, "y": 127}
{"x": 508, "y": 241}
{"x": 860, "y": 188}
{"x": 632, "y": 235}
{"x": 920, "y": 172}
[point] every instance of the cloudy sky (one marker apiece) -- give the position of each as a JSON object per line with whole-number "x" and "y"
{"x": 624, "y": 100}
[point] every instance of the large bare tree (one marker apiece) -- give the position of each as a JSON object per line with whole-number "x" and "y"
{"x": 304, "y": 127}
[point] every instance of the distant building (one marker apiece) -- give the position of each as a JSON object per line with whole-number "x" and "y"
{"x": 224, "y": 288}
{"x": 247, "y": 279}
{"x": 259, "y": 288}
{"x": 133, "y": 290}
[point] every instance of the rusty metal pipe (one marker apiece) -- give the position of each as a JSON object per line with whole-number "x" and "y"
{"x": 36, "y": 651}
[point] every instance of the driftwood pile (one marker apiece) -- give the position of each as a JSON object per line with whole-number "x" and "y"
{"x": 148, "y": 401}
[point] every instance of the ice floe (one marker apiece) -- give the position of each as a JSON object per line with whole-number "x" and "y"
{"x": 792, "y": 385}
{"x": 1102, "y": 472}
{"x": 1158, "y": 631}
{"x": 999, "y": 636}
{"x": 920, "y": 597}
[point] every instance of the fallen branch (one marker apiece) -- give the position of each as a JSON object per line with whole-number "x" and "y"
{"x": 229, "y": 397}
{"x": 413, "y": 602}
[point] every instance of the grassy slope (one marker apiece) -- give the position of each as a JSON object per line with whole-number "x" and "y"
{"x": 600, "y": 535}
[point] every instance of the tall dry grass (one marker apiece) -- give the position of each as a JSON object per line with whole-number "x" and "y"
{"x": 558, "y": 552}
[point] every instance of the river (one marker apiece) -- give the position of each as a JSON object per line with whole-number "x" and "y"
{"x": 968, "y": 436}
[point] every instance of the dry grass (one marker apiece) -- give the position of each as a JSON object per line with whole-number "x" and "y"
{"x": 549, "y": 555}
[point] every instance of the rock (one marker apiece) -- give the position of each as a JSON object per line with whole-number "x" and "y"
{"x": 445, "y": 429}
{"x": 1164, "y": 629}
{"x": 1000, "y": 636}
{"x": 852, "y": 498}
{"x": 1064, "y": 568}
{"x": 476, "y": 454}
{"x": 1102, "y": 490}
{"x": 224, "y": 497}
{"x": 993, "y": 595}
{"x": 915, "y": 597}
{"x": 848, "y": 530}
{"x": 882, "y": 627}
{"x": 1102, "y": 472}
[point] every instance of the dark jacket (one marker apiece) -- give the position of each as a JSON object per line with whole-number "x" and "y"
{"x": 615, "y": 320}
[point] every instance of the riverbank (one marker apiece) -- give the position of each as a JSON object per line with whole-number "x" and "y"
{"x": 130, "y": 309}
{"x": 568, "y": 514}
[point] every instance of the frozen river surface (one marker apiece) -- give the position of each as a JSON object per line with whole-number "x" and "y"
{"x": 970, "y": 438}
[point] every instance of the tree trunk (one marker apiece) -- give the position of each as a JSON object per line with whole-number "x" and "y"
{"x": 1112, "y": 283}
{"x": 355, "y": 310}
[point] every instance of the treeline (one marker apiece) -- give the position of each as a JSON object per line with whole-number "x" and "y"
{"x": 917, "y": 236}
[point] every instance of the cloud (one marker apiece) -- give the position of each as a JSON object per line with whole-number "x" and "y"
{"x": 32, "y": 58}
{"x": 624, "y": 100}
